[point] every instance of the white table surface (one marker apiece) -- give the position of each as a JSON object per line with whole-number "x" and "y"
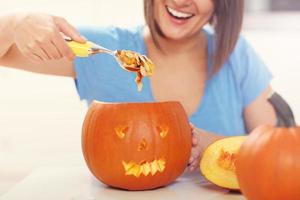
{"x": 77, "y": 183}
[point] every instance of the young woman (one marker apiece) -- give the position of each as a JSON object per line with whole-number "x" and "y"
{"x": 220, "y": 81}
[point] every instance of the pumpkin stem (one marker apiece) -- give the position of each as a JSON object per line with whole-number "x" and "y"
{"x": 284, "y": 113}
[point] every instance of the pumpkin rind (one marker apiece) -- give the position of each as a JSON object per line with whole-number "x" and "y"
{"x": 136, "y": 146}
{"x": 268, "y": 164}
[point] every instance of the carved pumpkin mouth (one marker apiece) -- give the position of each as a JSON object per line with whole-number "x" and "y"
{"x": 144, "y": 168}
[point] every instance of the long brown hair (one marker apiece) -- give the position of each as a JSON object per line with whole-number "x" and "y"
{"x": 227, "y": 22}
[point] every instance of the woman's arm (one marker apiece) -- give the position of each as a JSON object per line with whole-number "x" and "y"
{"x": 15, "y": 59}
{"x": 260, "y": 111}
{"x": 7, "y": 25}
{"x": 34, "y": 42}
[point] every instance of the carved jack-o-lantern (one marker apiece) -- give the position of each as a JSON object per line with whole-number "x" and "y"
{"x": 136, "y": 146}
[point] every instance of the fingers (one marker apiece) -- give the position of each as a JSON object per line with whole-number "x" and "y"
{"x": 56, "y": 47}
{"x": 192, "y": 126}
{"x": 194, "y": 141}
{"x": 40, "y": 53}
{"x": 195, "y": 158}
{"x": 194, "y": 164}
{"x": 196, "y": 149}
{"x": 38, "y": 37}
{"x": 191, "y": 160}
{"x": 45, "y": 50}
{"x": 66, "y": 28}
{"x": 195, "y": 137}
{"x": 34, "y": 53}
{"x": 33, "y": 57}
{"x": 62, "y": 47}
{"x": 50, "y": 49}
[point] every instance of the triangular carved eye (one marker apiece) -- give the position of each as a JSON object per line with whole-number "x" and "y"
{"x": 163, "y": 130}
{"x": 121, "y": 131}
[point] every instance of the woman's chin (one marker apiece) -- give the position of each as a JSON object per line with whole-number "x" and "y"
{"x": 177, "y": 33}
{"x": 177, "y": 36}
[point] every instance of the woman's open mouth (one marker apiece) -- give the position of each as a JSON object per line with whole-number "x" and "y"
{"x": 178, "y": 14}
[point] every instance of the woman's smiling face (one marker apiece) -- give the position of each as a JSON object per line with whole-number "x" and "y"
{"x": 180, "y": 19}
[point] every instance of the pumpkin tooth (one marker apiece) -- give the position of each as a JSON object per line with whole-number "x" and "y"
{"x": 154, "y": 167}
{"x": 141, "y": 170}
{"x": 132, "y": 170}
{"x": 136, "y": 170}
{"x": 128, "y": 166}
{"x": 146, "y": 168}
{"x": 161, "y": 165}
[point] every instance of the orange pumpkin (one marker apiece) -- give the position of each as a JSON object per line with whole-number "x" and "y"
{"x": 136, "y": 146}
{"x": 268, "y": 164}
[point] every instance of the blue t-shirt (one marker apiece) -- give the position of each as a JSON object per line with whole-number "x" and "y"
{"x": 240, "y": 80}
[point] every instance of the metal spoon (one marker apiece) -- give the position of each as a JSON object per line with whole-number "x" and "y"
{"x": 128, "y": 60}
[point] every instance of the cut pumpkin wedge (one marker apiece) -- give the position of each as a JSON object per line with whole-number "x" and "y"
{"x": 217, "y": 164}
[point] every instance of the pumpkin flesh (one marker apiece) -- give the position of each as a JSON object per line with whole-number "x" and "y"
{"x": 218, "y": 162}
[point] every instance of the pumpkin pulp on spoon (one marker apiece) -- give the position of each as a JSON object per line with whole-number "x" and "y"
{"x": 134, "y": 62}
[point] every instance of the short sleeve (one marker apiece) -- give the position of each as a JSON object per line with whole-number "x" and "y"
{"x": 89, "y": 71}
{"x": 86, "y": 77}
{"x": 253, "y": 76}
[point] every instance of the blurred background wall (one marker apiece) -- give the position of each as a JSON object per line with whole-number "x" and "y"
{"x": 41, "y": 116}
{"x": 273, "y": 5}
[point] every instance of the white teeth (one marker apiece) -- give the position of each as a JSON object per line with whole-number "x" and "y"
{"x": 178, "y": 14}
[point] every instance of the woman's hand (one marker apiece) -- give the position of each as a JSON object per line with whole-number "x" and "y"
{"x": 200, "y": 141}
{"x": 39, "y": 37}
